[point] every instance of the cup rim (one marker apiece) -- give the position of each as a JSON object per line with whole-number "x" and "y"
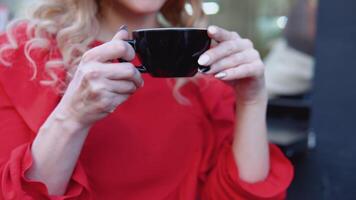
{"x": 170, "y": 28}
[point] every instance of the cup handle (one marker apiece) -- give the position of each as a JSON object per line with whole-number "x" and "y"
{"x": 140, "y": 68}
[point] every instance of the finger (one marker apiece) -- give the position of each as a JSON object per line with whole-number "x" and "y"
{"x": 126, "y": 71}
{"x": 121, "y": 86}
{"x": 116, "y": 48}
{"x": 255, "y": 69}
{"x": 109, "y": 51}
{"x": 113, "y": 71}
{"x": 123, "y": 71}
{"x": 224, "y": 49}
{"x": 122, "y": 33}
{"x": 220, "y": 34}
{"x": 233, "y": 60}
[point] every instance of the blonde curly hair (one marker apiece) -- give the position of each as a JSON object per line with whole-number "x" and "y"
{"x": 74, "y": 25}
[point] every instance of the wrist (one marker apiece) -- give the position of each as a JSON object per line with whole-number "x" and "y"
{"x": 256, "y": 107}
{"x": 257, "y": 99}
{"x": 251, "y": 91}
{"x": 67, "y": 121}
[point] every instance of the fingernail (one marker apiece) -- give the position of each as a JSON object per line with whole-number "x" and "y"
{"x": 220, "y": 75}
{"x": 203, "y": 60}
{"x": 142, "y": 84}
{"x": 212, "y": 29}
{"x": 204, "y": 70}
{"x": 123, "y": 27}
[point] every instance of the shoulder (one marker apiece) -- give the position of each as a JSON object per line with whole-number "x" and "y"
{"x": 14, "y": 38}
{"x": 11, "y": 40}
{"x": 22, "y": 38}
{"x": 21, "y": 53}
{"x": 22, "y": 68}
{"x": 16, "y": 29}
{"x": 12, "y": 51}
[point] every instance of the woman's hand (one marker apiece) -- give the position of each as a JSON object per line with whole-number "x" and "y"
{"x": 235, "y": 60}
{"x": 99, "y": 85}
{"x": 97, "y": 88}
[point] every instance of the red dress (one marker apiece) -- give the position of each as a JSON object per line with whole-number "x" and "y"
{"x": 150, "y": 148}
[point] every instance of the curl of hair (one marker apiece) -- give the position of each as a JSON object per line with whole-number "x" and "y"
{"x": 73, "y": 25}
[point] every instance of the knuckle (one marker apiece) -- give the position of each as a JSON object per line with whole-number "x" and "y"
{"x": 255, "y": 53}
{"x": 235, "y": 34}
{"x": 248, "y": 70}
{"x": 86, "y": 77}
{"x": 259, "y": 71}
{"x": 232, "y": 45}
{"x": 88, "y": 56}
{"x": 260, "y": 68}
{"x": 95, "y": 91}
{"x": 91, "y": 74}
{"x": 130, "y": 70}
{"x": 260, "y": 64}
{"x": 119, "y": 46}
{"x": 131, "y": 87}
{"x": 249, "y": 43}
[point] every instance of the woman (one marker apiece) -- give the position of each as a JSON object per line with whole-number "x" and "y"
{"x": 109, "y": 136}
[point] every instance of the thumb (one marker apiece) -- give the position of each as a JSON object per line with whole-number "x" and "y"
{"x": 122, "y": 33}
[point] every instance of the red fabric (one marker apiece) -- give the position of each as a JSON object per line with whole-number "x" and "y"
{"x": 151, "y": 147}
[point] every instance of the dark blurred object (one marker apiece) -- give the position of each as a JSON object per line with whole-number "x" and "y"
{"x": 289, "y": 76}
{"x": 288, "y": 124}
{"x": 329, "y": 172}
{"x": 300, "y": 29}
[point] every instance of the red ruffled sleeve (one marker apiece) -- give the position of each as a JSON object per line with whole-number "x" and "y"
{"x": 14, "y": 184}
{"x": 224, "y": 183}
{"x": 16, "y": 158}
{"x": 221, "y": 181}
{"x": 17, "y": 131}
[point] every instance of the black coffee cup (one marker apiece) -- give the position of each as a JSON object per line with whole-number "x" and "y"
{"x": 170, "y": 52}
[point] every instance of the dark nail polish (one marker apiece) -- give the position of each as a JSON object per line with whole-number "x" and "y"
{"x": 123, "y": 27}
{"x": 204, "y": 69}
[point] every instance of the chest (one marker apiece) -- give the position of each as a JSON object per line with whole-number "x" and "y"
{"x": 150, "y": 138}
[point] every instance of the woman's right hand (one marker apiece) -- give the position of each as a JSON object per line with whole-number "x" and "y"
{"x": 96, "y": 89}
{"x": 99, "y": 86}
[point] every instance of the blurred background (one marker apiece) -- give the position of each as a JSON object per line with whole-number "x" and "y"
{"x": 309, "y": 118}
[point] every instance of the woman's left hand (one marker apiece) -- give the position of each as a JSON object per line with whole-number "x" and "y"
{"x": 236, "y": 61}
